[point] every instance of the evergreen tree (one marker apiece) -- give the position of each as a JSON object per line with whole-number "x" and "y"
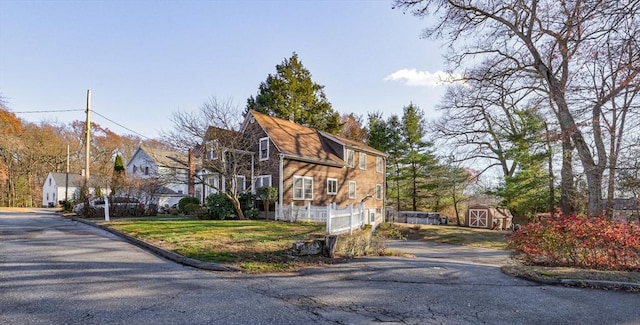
{"x": 119, "y": 175}
{"x": 291, "y": 94}
{"x": 418, "y": 163}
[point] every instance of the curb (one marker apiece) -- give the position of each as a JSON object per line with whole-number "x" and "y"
{"x": 583, "y": 283}
{"x": 172, "y": 256}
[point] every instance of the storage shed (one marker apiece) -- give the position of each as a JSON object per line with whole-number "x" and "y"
{"x": 484, "y": 216}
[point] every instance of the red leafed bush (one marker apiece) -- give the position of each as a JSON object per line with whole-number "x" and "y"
{"x": 594, "y": 243}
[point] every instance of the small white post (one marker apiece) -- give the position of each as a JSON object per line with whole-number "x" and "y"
{"x": 276, "y": 213}
{"x": 328, "y": 222}
{"x": 351, "y": 219}
{"x": 291, "y": 219}
{"x": 308, "y": 211}
{"x": 106, "y": 208}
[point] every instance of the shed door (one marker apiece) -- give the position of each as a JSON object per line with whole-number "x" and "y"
{"x": 478, "y": 218}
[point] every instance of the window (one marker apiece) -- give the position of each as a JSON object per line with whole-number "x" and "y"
{"x": 363, "y": 160}
{"x": 350, "y": 159}
{"x": 264, "y": 148}
{"x": 352, "y": 189}
{"x": 240, "y": 183}
{"x": 262, "y": 181}
{"x": 213, "y": 184}
{"x": 302, "y": 188}
{"x": 146, "y": 170}
{"x": 378, "y": 191}
{"x": 332, "y": 186}
{"x": 49, "y": 181}
{"x": 379, "y": 163}
{"x": 212, "y": 150}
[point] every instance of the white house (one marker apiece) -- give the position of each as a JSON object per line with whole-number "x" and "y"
{"x": 168, "y": 167}
{"x": 57, "y": 187}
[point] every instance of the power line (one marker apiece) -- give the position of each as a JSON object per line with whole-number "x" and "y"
{"x": 50, "y": 111}
{"x": 120, "y": 125}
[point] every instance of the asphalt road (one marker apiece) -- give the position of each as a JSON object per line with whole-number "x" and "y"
{"x": 58, "y": 271}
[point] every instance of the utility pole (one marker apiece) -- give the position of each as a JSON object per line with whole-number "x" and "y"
{"x": 66, "y": 179}
{"x": 87, "y": 156}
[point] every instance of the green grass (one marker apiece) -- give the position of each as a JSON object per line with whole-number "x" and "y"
{"x": 256, "y": 246}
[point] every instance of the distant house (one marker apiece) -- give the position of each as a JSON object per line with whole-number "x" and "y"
{"x": 57, "y": 187}
{"x": 169, "y": 168}
{"x": 308, "y": 166}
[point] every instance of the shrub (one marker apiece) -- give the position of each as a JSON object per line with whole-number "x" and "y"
{"x": 252, "y": 213}
{"x": 67, "y": 206}
{"x": 191, "y": 208}
{"x": 220, "y": 207}
{"x": 186, "y": 200}
{"x": 595, "y": 243}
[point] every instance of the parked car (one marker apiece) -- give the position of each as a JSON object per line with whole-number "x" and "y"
{"x": 118, "y": 205}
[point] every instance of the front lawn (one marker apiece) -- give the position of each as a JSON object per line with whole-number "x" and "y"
{"x": 254, "y": 245}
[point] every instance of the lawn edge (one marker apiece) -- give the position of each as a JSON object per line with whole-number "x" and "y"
{"x": 159, "y": 251}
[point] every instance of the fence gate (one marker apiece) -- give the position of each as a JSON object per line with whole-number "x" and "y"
{"x": 478, "y": 218}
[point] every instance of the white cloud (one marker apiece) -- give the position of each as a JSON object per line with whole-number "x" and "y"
{"x": 413, "y": 77}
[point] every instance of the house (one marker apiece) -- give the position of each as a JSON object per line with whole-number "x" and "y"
{"x": 168, "y": 168}
{"x": 58, "y": 187}
{"x": 485, "y": 216}
{"x": 307, "y": 166}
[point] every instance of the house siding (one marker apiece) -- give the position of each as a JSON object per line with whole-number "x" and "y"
{"x": 366, "y": 181}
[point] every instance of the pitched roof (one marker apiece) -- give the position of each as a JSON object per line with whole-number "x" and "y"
{"x": 77, "y": 179}
{"x": 165, "y": 158}
{"x": 355, "y": 144}
{"x": 297, "y": 141}
{"x": 74, "y": 179}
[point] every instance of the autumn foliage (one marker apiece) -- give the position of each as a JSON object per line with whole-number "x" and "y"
{"x": 572, "y": 241}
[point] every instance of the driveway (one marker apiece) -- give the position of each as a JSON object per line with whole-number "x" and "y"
{"x": 57, "y": 271}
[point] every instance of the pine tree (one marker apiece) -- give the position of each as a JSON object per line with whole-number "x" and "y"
{"x": 291, "y": 94}
{"x": 119, "y": 175}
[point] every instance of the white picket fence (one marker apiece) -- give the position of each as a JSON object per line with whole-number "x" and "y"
{"x": 338, "y": 220}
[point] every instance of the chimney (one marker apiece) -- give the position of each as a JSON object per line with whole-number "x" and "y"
{"x": 191, "y": 189}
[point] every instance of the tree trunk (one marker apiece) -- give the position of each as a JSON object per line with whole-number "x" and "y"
{"x": 236, "y": 206}
{"x": 566, "y": 178}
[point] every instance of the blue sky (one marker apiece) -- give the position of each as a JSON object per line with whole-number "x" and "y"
{"x": 143, "y": 60}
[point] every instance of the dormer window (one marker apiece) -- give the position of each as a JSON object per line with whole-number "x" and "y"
{"x": 363, "y": 160}
{"x": 264, "y": 148}
{"x": 350, "y": 158}
{"x": 212, "y": 150}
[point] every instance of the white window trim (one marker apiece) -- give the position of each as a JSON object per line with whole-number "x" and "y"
{"x": 336, "y": 186}
{"x": 260, "y": 148}
{"x": 362, "y": 160}
{"x": 355, "y": 190}
{"x": 379, "y": 163}
{"x": 303, "y": 192}
{"x": 379, "y": 192}
{"x": 244, "y": 183}
{"x": 212, "y": 148}
{"x": 262, "y": 179}
{"x": 349, "y": 152}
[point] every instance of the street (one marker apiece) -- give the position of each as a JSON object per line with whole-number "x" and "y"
{"x": 57, "y": 271}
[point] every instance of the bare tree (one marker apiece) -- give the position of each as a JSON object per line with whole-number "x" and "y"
{"x": 228, "y": 154}
{"x": 549, "y": 45}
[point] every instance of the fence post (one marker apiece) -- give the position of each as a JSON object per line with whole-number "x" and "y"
{"x": 277, "y": 213}
{"x": 308, "y": 211}
{"x": 328, "y": 222}
{"x": 291, "y": 213}
{"x": 351, "y": 219}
